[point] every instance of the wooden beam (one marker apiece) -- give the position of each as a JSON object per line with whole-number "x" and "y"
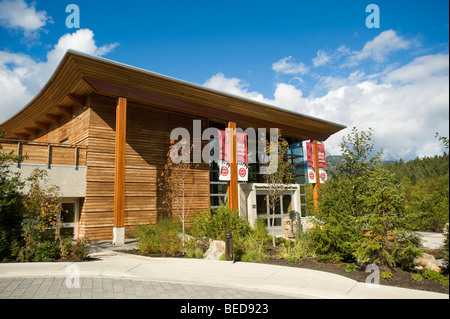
{"x": 34, "y": 132}
{"x": 316, "y": 186}
{"x": 79, "y": 100}
{"x": 22, "y": 136}
{"x": 54, "y": 119}
{"x": 120, "y": 159}
{"x": 233, "y": 199}
{"x": 197, "y": 109}
{"x": 66, "y": 111}
{"x": 43, "y": 126}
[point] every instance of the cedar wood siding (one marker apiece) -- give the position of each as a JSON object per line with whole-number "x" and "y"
{"x": 148, "y": 138}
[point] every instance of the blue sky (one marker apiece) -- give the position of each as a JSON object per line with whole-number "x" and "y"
{"x": 314, "y": 57}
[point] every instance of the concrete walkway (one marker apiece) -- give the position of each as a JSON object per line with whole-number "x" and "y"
{"x": 145, "y": 277}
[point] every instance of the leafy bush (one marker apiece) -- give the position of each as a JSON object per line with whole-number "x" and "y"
{"x": 73, "y": 250}
{"x": 162, "y": 238}
{"x": 216, "y": 223}
{"x": 436, "y": 276}
{"x": 11, "y": 208}
{"x": 296, "y": 250}
{"x": 47, "y": 251}
{"x": 446, "y": 253}
{"x": 351, "y": 267}
{"x": 254, "y": 249}
{"x": 416, "y": 277}
{"x": 260, "y": 230}
{"x": 195, "y": 247}
{"x": 386, "y": 275}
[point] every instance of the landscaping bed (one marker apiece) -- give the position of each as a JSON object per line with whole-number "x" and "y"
{"x": 400, "y": 277}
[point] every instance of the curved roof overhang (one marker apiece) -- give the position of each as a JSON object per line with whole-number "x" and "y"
{"x": 79, "y": 75}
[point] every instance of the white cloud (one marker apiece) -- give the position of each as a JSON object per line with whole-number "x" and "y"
{"x": 381, "y": 46}
{"x": 22, "y": 77}
{"x": 233, "y": 86}
{"x": 421, "y": 68}
{"x": 405, "y": 113}
{"x": 288, "y": 66}
{"x": 17, "y": 14}
{"x": 322, "y": 58}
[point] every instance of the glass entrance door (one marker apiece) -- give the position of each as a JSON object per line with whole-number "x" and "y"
{"x": 282, "y": 207}
{"x": 69, "y": 219}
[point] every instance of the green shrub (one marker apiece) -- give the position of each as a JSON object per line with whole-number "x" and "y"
{"x": 446, "y": 253}
{"x": 416, "y": 277}
{"x": 79, "y": 250}
{"x": 194, "y": 253}
{"x": 162, "y": 238}
{"x": 253, "y": 249}
{"x": 193, "y": 248}
{"x": 254, "y": 255}
{"x": 216, "y": 223}
{"x": 436, "y": 276}
{"x": 386, "y": 275}
{"x": 351, "y": 267}
{"x": 47, "y": 251}
{"x": 260, "y": 230}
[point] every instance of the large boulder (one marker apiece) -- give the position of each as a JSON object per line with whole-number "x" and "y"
{"x": 215, "y": 250}
{"x": 427, "y": 262}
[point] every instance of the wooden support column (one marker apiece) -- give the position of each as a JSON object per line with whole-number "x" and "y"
{"x": 119, "y": 173}
{"x": 233, "y": 199}
{"x": 317, "y": 184}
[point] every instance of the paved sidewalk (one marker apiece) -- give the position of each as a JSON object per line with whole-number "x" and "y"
{"x": 138, "y": 276}
{"x": 117, "y": 288}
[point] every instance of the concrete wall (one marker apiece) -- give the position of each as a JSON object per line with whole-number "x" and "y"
{"x": 71, "y": 182}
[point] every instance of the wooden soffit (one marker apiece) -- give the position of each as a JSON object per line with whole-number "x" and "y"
{"x": 79, "y": 75}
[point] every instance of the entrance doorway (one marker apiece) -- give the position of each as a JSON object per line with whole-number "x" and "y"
{"x": 283, "y": 206}
{"x": 69, "y": 217}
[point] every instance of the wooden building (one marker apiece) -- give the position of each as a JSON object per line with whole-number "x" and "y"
{"x": 102, "y": 131}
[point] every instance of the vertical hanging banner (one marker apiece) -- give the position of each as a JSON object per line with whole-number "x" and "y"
{"x": 310, "y": 163}
{"x": 224, "y": 162}
{"x": 310, "y": 172}
{"x": 322, "y": 163}
{"x": 241, "y": 156}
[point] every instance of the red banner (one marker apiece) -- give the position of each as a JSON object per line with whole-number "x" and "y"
{"x": 241, "y": 156}
{"x": 310, "y": 163}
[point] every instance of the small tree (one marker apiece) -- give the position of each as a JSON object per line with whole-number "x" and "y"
{"x": 386, "y": 238}
{"x": 42, "y": 209}
{"x": 176, "y": 196}
{"x": 361, "y": 210}
{"x": 278, "y": 178}
{"x": 10, "y": 203}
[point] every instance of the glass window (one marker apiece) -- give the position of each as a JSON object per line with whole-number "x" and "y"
{"x": 261, "y": 205}
{"x": 287, "y": 203}
{"x": 68, "y": 213}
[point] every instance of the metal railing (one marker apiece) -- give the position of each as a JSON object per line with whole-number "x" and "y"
{"x": 34, "y": 152}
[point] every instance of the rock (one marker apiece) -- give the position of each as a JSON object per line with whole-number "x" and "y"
{"x": 215, "y": 250}
{"x": 203, "y": 243}
{"x": 427, "y": 261}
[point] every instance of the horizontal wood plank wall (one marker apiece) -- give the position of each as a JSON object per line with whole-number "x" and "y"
{"x": 148, "y": 137}
{"x": 75, "y": 130}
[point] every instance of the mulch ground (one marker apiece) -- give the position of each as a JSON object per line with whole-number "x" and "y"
{"x": 400, "y": 277}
